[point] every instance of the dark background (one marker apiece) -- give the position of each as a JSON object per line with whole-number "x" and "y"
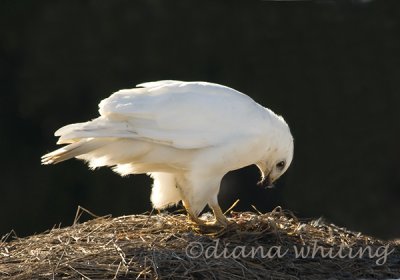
{"x": 331, "y": 68}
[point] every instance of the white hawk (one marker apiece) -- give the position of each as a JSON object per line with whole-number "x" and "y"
{"x": 185, "y": 135}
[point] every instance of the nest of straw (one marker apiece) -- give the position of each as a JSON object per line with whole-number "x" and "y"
{"x": 167, "y": 246}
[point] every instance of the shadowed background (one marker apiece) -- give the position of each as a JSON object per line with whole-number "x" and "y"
{"x": 331, "y": 68}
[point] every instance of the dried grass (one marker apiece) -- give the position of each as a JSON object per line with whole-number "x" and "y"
{"x": 155, "y": 247}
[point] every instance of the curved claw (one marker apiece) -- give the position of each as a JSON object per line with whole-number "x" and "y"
{"x": 220, "y": 220}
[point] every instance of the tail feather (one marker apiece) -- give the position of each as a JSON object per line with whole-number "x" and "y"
{"x": 72, "y": 150}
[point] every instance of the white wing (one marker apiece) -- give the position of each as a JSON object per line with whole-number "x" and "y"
{"x": 179, "y": 114}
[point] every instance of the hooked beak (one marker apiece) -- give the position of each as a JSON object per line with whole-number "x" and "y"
{"x": 266, "y": 182}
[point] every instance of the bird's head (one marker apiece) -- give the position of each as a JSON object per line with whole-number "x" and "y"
{"x": 277, "y": 157}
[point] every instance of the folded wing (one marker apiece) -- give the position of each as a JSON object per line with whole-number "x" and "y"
{"x": 186, "y": 115}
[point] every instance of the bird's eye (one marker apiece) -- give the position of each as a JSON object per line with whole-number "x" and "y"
{"x": 280, "y": 165}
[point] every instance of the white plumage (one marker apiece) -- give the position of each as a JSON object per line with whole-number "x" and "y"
{"x": 185, "y": 135}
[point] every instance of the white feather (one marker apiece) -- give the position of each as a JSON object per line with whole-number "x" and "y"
{"x": 165, "y": 190}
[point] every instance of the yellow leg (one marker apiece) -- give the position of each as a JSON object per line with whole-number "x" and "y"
{"x": 220, "y": 218}
{"x": 192, "y": 216}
